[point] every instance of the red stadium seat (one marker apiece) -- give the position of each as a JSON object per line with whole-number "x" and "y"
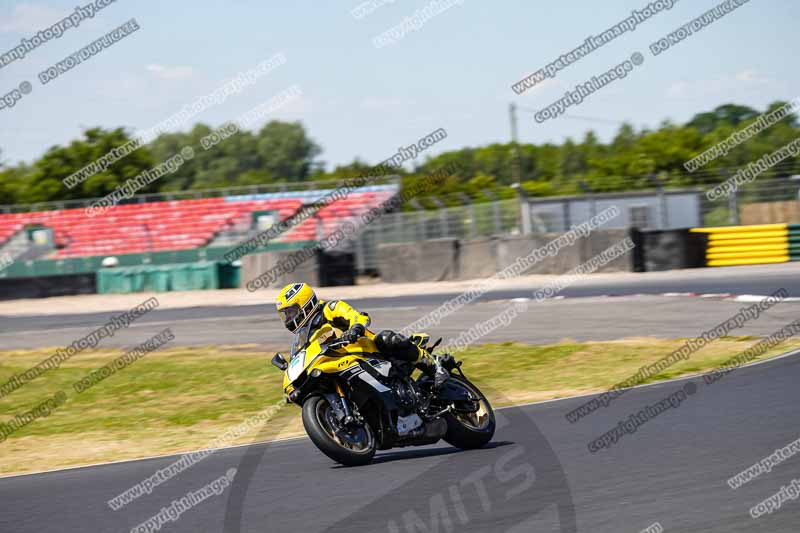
{"x": 177, "y": 224}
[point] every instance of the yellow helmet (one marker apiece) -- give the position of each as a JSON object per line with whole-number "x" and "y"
{"x": 296, "y": 303}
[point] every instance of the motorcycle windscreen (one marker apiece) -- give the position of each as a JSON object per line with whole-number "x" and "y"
{"x": 300, "y": 339}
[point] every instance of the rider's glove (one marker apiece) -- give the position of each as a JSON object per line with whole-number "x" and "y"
{"x": 432, "y": 366}
{"x": 353, "y": 334}
{"x": 447, "y": 361}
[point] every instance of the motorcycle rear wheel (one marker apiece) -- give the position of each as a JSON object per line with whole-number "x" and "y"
{"x": 470, "y": 430}
{"x": 346, "y": 446}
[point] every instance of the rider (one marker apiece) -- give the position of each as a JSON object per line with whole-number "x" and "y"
{"x": 298, "y": 305}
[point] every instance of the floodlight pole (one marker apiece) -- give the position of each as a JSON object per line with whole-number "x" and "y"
{"x": 515, "y": 164}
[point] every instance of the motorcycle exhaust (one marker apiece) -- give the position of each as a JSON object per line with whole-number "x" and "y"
{"x": 435, "y": 429}
{"x": 431, "y": 433}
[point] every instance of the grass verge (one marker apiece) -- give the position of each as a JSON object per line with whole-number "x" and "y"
{"x": 181, "y": 399}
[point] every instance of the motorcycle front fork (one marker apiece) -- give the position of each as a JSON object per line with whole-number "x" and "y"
{"x": 341, "y": 407}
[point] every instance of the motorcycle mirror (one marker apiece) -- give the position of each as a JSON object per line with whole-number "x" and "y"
{"x": 435, "y": 344}
{"x": 279, "y": 362}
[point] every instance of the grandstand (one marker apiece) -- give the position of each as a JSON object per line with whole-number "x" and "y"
{"x": 186, "y": 224}
{"x": 326, "y": 219}
{"x": 160, "y": 243}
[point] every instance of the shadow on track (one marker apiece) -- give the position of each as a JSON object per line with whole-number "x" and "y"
{"x": 408, "y": 455}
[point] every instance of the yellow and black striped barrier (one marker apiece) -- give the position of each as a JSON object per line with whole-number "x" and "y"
{"x": 752, "y": 245}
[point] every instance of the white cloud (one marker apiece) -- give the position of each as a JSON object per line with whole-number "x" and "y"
{"x": 687, "y": 90}
{"x": 28, "y": 18}
{"x": 294, "y": 109}
{"x": 545, "y": 89}
{"x": 170, "y": 73}
{"x": 678, "y": 89}
{"x": 750, "y": 76}
{"x": 728, "y": 86}
{"x": 550, "y": 84}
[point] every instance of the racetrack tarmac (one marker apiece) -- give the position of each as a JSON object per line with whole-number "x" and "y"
{"x": 538, "y": 475}
{"x": 543, "y": 323}
{"x": 634, "y": 307}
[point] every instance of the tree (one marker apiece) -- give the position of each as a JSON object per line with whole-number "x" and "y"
{"x": 46, "y": 176}
{"x": 12, "y": 184}
{"x": 285, "y": 151}
{"x": 573, "y": 160}
{"x": 729, "y": 114}
{"x": 282, "y": 151}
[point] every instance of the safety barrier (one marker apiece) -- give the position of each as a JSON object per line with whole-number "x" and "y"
{"x": 454, "y": 259}
{"x": 91, "y": 264}
{"x": 752, "y": 245}
{"x": 202, "y": 275}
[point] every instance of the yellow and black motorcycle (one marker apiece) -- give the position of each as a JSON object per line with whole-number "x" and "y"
{"x": 355, "y": 402}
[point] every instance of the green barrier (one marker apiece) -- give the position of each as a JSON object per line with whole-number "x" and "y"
{"x": 794, "y": 242}
{"x": 88, "y": 265}
{"x": 202, "y": 275}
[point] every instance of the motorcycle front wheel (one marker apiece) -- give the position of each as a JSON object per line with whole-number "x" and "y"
{"x": 351, "y": 446}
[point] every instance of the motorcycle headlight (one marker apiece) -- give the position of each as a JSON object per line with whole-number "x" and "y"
{"x": 296, "y": 365}
{"x": 316, "y": 373}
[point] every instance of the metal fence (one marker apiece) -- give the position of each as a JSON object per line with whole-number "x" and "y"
{"x": 468, "y": 221}
{"x": 283, "y": 187}
{"x": 764, "y": 201}
{"x": 643, "y": 209}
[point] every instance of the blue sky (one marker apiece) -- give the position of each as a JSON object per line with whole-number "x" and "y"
{"x": 454, "y": 72}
